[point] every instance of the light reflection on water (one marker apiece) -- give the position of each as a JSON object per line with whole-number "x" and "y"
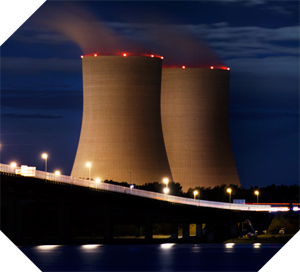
{"x": 164, "y": 257}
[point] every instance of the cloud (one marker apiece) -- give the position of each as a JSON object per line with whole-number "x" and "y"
{"x": 31, "y": 116}
{"x": 34, "y": 65}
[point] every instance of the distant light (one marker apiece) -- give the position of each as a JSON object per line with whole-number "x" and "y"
{"x": 166, "y": 190}
{"x": 296, "y": 209}
{"x": 98, "y": 180}
{"x": 211, "y": 67}
{"x": 44, "y": 155}
{"x": 124, "y": 54}
{"x": 13, "y": 164}
{"x": 228, "y": 190}
{"x": 162, "y": 57}
{"x": 95, "y": 55}
{"x": 89, "y": 246}
{"x": 88, "y": 164}
{"x": 166, "y": 180}
{"x": 57, "y": 173}
{"x": 152, "y": 56}
{"x": 167, "y": 245}
{"x": 131, "y": 186}
{"x": 228, "y": 68}
{"x": 183, "y": 67}
{"x": 45, "y": 247}
{"x": 257, "y": 245}
{"x": 82, "y": 56}
{"x": 196, "y": 192}
{"x": 229, "y": 245}
{"x": 256, "y": 192}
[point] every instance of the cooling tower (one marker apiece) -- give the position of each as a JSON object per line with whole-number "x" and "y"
{"x": 121, "y": 133}
{"x": 194, "y": 109}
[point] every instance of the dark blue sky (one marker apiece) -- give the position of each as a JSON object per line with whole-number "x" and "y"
{"x": 41, "y": 84}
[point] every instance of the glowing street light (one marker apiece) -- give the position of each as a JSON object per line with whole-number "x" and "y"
{"x": 57, "y": 173}
{"x": 88, "y": 164}
{"x": 257, "y": 193}
{"x": 166, "y": 190}
{"x": 45, "y": 157}
{"x": 131, "y": 187}
{"x": 229, "y": 191}
{"x": 166, "y": 181}
{"x": 195, "y": 194}
{"x": 13, "y": 164}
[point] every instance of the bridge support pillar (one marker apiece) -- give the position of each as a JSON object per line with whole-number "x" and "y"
{"x": 174, "y": 233}
{"x": 63, "y": 224}
{"x": 199, "y": 230}
{"x": 185, "y": 230}
{"x": 108, "y": 226}
{"x": 148, "y": 230}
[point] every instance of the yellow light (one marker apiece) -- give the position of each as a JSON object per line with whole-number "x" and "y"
{"x": 89, "y": 246}
{"x": 57, "y": 173}
{"x": 229, "y": 245}
{"x": 166, "y": 180}
{"x": 256, "y": 192}
{"x": 98, "y": 180}
{"x": 45, "y": 247}
{"x": 257, "y": 245}
{"x": 228, "y": 190}
{"x": 196, "y": 193}
{"x": 13, "y": 164}
{"x": 166, "y": 190}
{"x": 88, "y": 164}
{"x": 167, "y": 245}
{"x": 44, "y": 155}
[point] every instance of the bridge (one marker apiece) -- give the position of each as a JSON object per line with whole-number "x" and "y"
{"x": 42, "y": 207}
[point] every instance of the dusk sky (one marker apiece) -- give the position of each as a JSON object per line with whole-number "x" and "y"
{"x": 41, "y": 77}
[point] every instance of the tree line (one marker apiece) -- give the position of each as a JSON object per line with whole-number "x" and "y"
{"x": 269, "y": 194}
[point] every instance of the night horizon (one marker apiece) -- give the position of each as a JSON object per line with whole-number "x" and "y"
{"x": 41, "y": 88}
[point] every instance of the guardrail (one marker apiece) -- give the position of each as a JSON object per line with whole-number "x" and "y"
{"x": 126, "y": 190}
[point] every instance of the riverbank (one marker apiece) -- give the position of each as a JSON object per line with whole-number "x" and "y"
{"x": 263, "y": 238}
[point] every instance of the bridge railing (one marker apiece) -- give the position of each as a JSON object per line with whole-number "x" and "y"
{"x": 126, "y": 190}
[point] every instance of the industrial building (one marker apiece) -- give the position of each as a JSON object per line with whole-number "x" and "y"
{"x": 142, "y": 123}
{"x": 121, "y": 134}
{"x": 194, "y": 109}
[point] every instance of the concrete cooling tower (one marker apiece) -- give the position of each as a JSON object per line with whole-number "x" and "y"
{"x": 121, "y": 133}
{"x": 194, "y": 109}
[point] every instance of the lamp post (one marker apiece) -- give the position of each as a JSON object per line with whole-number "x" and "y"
{"x": 229, "y": 191}
{"x": 88, "y": 164}
{"x": 45, "y": 157}
{"x": 257, "y": 193}
{"x": 97, "y": 182}
{"x": 195, "y": 194}
{"x": 56, "y": 173}
{"x": 166, "y": 190}
{"x": 166, "y": 181}
{"x": 131, "y": 187}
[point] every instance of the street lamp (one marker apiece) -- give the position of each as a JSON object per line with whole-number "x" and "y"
{"x": 88, "y": 164}
{"x": 166, "y": 190}
{"x": 195, "y": 194}
{"x": 13, "y": 165}
{"x": 257, "y": 193}
{"x": 166, "y": 181}
{"x": 131, "y": 187}
{"x": 229, "y": 191}
{"x": 45, "y": 157}
{"x": 98, "y": 180}
{"x": 56, "y": 173}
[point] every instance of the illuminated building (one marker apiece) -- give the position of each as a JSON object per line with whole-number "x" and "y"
{"x": 194, "y": 109}
{"x": 121, "y": 132}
